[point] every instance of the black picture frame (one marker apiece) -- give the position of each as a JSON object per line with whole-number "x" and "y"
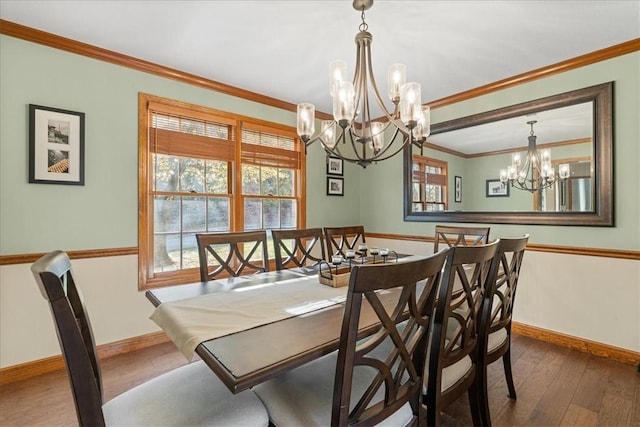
{"x": 56, "y": 146}
{"x": 335, "y": 166}
{"x": 495, "y": 188}
{"x": 335, "y": 186}
{"x": 457, "y": 189}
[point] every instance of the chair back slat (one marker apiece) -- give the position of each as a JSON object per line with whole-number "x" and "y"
{"x": 401, "y": 296}
{"x": 55, "y": 279}
{"x": 339, "y": 239}
{"x": 460, "y": 236}
{"x": 501, "y": 297}
{"x": 298, "y": 248}
{"x": 235, "y": 254}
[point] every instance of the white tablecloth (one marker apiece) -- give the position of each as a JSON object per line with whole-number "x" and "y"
{"x": 192, "y": 321}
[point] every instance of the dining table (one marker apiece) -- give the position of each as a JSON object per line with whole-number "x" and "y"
{"x": 249, "y": 329}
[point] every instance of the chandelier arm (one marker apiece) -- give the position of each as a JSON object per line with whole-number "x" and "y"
{"x": 375, "y": 89}
{"x": 357, "y": 79}
{"x": 362, "y": 99}
{"x": 380, "y": 157}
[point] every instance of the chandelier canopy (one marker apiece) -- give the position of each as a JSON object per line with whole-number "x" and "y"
{"x": 353, "y": 135}
{"x": 534, "y": 172}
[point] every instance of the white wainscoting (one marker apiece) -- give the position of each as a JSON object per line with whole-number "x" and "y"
{"x": 594, "y": 298}
{"x": 110, "y": 289}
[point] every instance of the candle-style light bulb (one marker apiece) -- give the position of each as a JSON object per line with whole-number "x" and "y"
{"x": 337, "y": 73}
{"x": 328, "y": 135}
{"x": 423, "y": 128}
{"x": 410, "y": 104}
{"x": 344, "y": 106}
{"x": 503, "y": 176}
{"x": 377, "y": 136}
{"x": 396, "y": 77}
{"x": 305, "y": 120}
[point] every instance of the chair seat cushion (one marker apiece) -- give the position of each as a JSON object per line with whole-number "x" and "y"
{"x": 451, "y": 374}
{"x": 303, "y": 397}
{"x": 496, "y": 339}
{"x": 190, "y": 395}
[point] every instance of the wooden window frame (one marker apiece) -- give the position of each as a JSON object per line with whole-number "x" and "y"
{"x": 147, "y": 279}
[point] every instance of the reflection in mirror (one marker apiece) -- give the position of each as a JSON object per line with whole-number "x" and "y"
{"x": 575, "y": 194}
{"x": 573, "y": 136}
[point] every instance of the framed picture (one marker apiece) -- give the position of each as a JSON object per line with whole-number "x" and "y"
{"x": 335, "y": 186}
{"x": 334, "y": 166}
{"x": 56, "y": 146}
{"x": 458, "y": 189}
{"x": 496, "y": 189}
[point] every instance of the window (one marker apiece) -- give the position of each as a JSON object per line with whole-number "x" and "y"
{"x": 204, "y": 171}
{"x": 429, "y": 184}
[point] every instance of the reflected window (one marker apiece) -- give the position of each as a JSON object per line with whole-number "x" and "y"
{"x": 429, "y": 184}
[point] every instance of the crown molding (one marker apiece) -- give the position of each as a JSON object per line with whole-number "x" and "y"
{"x": 58, "y": 42}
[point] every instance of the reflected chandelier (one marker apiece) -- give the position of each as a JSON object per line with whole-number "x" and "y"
{"x": 369, "y": 141}
{"x": 535, "y": 172}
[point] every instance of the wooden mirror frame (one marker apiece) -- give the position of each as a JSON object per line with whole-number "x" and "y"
{"x": 602, "y": 213}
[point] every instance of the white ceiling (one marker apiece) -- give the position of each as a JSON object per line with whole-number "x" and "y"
{"x": 282, "y": 48}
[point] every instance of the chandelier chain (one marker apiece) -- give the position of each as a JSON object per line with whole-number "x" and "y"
{"x": 363, "y": 26}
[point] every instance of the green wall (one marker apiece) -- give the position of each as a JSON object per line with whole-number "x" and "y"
{"x": 385, "y": 215}
{"x": 104, "y": 212}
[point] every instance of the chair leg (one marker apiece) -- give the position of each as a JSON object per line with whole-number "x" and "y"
{"x": 485, "y": 414}
{"x": 430, "y": 412}
{"x": 506, "y": 361}
{"x": 476, "y": 404}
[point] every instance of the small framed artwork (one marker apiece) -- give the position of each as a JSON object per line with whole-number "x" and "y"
{"x": 458, "y": 189}
{"x": 496, "y": 189}
{"x": 56, "y": 146}
{"x": 334, "y": 166}
{"x": 335, "y": 186}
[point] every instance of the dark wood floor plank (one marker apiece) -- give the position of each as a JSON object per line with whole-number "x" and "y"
{"x": 635, "y": 416}
{"x": 560, "y": 390}
{"x": 615, "y": 411}
{"x": 619, "y": 400}
{"x": 530, "y": 392}
{"x": 579, "y": 416}
{"x": 46, "y": 400}
{"x": 503, "y": 408}
{"x": 41, "y": 401}
{"x": 592, "y": 386}
{"x": 537, "y": 368}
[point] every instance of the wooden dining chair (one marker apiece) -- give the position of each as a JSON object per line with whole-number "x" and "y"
{"x": 460, "y": 236}
{"x": 236, "y": 254}
{"x": 339, "y": 239}
{"x": 298, "y": 248}
{"x": 375, "y": 380}
{"x": 497, "y": 310}
{"x": 189, "y": 395}
{"x": 454, "y": 356}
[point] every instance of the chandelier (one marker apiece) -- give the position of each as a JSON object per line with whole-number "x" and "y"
{"x": 535, "y": 172}
{"x": 353, "y": 135}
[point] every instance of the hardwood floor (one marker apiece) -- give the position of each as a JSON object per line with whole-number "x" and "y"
{"x": 556, "y": 386}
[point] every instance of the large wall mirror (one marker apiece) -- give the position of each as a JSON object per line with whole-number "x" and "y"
{"x": 456, "y": 176}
